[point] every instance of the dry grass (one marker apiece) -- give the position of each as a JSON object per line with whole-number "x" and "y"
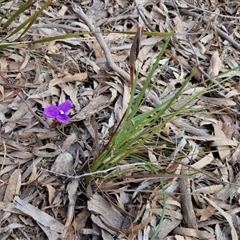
{"x": 196, "y": 155}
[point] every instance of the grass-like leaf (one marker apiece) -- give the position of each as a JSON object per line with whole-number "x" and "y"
{"x": 17, "y": 13}
{"x": 134, "y": 126}
{"x": 29, "y": 22}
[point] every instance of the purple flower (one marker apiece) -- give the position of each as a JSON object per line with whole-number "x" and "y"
{"x": 60, "y": 113}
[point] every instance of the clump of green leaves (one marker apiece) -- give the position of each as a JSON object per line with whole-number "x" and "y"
{"x": 137, "y": 128}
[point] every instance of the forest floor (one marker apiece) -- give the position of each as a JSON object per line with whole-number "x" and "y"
{"x": 43, "y": 190}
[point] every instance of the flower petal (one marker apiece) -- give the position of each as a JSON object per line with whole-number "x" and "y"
{"x": 51, "y": 111}
{"x": 63, "y": 118}
{"x": 66, "y": 106}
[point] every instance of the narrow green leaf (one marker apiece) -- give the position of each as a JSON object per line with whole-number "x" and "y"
{"x": 29, "y": 22}
{"x": 17, "y": 13}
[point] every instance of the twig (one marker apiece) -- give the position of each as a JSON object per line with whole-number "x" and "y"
{"x": 179, "y": 122}
{"x": 78, "y": 10}
{"x": 193, "y": 14}
{"x": 118, "y": 168}
{"x": 186, "y": 201}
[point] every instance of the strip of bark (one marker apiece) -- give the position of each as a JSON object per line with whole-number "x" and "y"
{"x": 186, "y": 201}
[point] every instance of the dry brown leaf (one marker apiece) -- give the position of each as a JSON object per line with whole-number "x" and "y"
{"x": 21, "y": 111}
{"x": 207, "y": 38}
{"x": 235, "y": 158}
{"x": 170, "y": 213}
{"x": 98, "y": 52}
{"x": 228, "y": 126}
{"x": 216, "y": 64}
{"x": 191, "y": 91}
{"x": 203, "y": 162}
{"x": 14, "y": 185}
{"x": 209, "y": 190}
{"x": 51, "y": 193}
{"x": 179, "y": 27}
{"x": 218, "y": 101}
{"x": 63, "y": 10}
{"x": 110, "y": 215}
{"x": 94, "y": 106}
{"x": 222, "y": 145}
{"x": 39, "y": 151}
{"x": 9, "y": 207}
{"x": 7, "y": 169}
{"x": 152, "y": 157}
{"x": 34, "y": 174}
{"x": 224, "y": 142}
{"x": 230, "y": 190}
{"x": 143, "y": 185}
{"x": 29, "y": 171}
{"x": 226, "y": 215}
{"x": 13, "y": 66}
{"x": 50, "y": 92}
{"x": 168, "y": 225}
{"x": 129, "y": 230}
{"x": 219, "y": 232}
{"x": 80, "y": 220}
{"x": 205, "y": 213}
{"x": 71, "y": 139}
{"x": 72, "y": 93}
{"x": 22, "y": 155}
{"x": 44, "y": 220}
{"x": 2, "y": 92}
{"x": 115, "y": 58}
{"x": 5, "y": 161}
{"x": 11, "y": 227}
{"x": 72, "y": 190}
{"x": 26, "y": 61}
{"x": 69, "y": 78}
{"x": 63, "y": 163}
{"x": 148, "y": 41}
{"x": 189, "y": 232}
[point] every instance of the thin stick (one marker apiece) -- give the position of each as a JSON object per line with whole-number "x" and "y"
{"x": 78, "y": 10}
{"x": 118, "y": 168}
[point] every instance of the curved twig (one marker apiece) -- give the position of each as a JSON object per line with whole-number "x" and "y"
{"x": 78, "y": 10}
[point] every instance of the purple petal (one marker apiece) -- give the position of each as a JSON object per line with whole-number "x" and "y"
{"x": 63, "y": 118}
{"x": 66, "y": 106}
{"x": 51, "y": 111}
